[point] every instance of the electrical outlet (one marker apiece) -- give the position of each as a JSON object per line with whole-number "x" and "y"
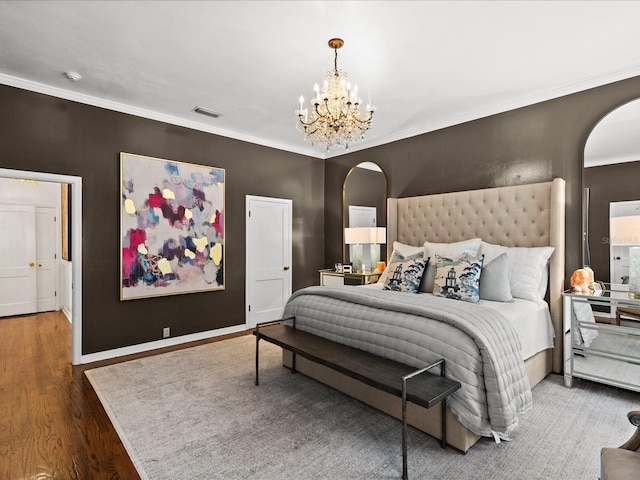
{"x": 166, "y": 332}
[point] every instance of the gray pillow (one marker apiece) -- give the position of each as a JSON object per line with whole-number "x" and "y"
{"x": 494, "y": 280}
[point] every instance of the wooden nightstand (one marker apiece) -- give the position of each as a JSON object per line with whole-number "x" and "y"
{"x": 330, "y": 277}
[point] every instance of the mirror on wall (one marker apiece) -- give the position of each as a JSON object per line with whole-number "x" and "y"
{"x": 364, "y": 200}
{"x": 610, "y": 177}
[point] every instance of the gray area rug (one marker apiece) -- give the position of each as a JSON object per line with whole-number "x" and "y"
{"x": 196, "y": 414}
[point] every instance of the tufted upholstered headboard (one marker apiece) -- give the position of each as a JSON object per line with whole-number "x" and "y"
{"x": 516, "y": 216}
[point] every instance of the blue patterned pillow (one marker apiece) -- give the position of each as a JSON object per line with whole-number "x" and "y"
{"x": 458, "y": 278}
{"x": 405, "y": 276}
{"x": 395, "y": 258}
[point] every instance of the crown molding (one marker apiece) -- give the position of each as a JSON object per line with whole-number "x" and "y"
{"x": 449, "y": 121}
{"x": 149, "y": 114}
{"x": 599, "y": 162}
{"x": 419, "y": 129}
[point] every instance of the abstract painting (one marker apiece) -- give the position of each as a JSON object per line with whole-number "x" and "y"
{"x": 171, "y": 227}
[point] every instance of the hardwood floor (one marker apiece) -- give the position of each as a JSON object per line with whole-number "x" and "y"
{"x": 52, "y": 424}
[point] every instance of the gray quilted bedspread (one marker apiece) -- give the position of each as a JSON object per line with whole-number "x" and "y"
{"x": 481, "y": 349}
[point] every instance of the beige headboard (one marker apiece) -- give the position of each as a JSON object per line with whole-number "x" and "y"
{"x": 517, "y": 216}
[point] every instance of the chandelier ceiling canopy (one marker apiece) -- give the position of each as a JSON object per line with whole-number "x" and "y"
{"x": 334, "y": 119}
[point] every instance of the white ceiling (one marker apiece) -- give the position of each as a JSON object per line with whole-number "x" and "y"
{"x": 428, "y": 65}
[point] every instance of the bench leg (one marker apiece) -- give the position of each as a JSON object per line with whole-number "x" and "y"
{"x": 443, "y": 440}
{"x": 405, "y": 474}
{"x": 257, "y": 356}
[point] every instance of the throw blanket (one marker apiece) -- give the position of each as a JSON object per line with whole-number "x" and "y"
{"x": 481, "y": 349}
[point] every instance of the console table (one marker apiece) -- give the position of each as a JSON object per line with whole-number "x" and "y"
{"x": 602, "y": 352}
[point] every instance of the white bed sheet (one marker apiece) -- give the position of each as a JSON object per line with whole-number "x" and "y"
{"x": 531, "y": 320}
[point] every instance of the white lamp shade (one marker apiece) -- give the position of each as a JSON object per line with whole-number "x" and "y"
{"x": 365, "y": 235}
{"x": 624, "y": 230}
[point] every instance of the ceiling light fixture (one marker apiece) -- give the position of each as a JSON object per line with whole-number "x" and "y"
{"x": 207, "y": 112}
{"x": 335, "y": 118}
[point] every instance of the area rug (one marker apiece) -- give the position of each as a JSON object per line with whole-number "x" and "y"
{"x": 196, "y": 414}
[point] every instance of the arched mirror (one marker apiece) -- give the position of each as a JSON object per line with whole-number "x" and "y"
{"x": 364, "y": 200}
{"x": 611, "y": 206}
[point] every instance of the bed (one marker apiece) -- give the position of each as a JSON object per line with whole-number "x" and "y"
{"x": 515, "y": 220}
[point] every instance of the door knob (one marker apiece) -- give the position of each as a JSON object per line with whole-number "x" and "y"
{"x": 40, "y": 265}
{"x": 32, "y": 264}
{"x": 286, "y": 268}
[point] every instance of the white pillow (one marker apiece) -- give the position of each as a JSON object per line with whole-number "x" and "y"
{"x": 452, "y": 250}
{"x": 491, "y": 252}
{"x": 494, "y": 280}
{"x": 405, "y": 251}
{"x": 544, "y": 283}
{"x": 527, "y": 268}
{"x": 529, "y": 265}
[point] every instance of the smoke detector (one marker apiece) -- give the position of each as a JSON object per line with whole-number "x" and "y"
{"x": 73, "y": 76}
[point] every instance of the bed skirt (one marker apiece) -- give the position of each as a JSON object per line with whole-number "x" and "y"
{"x": 426, "y": 420}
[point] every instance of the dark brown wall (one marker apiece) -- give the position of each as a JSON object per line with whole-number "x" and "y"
{"x": 531, "y": 144}
{"x": 609, "y": 183}
{"x": 42, "y": 133}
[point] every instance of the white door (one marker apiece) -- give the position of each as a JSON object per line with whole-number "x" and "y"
{"x": 269, "y": 247}
{"x": 18, "y": 291}
{"x": 619, "y": 263}
{"x": 46, "y": 247}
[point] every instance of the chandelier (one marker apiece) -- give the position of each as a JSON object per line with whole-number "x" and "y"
{"x": 335, "y": 119}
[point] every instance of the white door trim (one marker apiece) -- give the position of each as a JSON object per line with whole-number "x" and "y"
{"x": 76, "y": 248}
{"x": 53, "y": 213}
{"x": 248, "y": 199}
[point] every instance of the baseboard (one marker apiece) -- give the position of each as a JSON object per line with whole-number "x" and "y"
{"x": 166, "y": 342}
{"x": 67, "y": 313}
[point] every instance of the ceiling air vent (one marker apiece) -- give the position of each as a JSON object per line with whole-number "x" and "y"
{"x": 204, "y": 111}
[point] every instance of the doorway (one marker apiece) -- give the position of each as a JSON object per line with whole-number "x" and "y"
{"x": 30, "y": 242}
{"x": 76, "y": 246}
{"x": 269, "y": 251}
{"x": 624, "y": 233}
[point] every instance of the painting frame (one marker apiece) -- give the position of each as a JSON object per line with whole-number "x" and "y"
{"x": 172, "y": 227}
